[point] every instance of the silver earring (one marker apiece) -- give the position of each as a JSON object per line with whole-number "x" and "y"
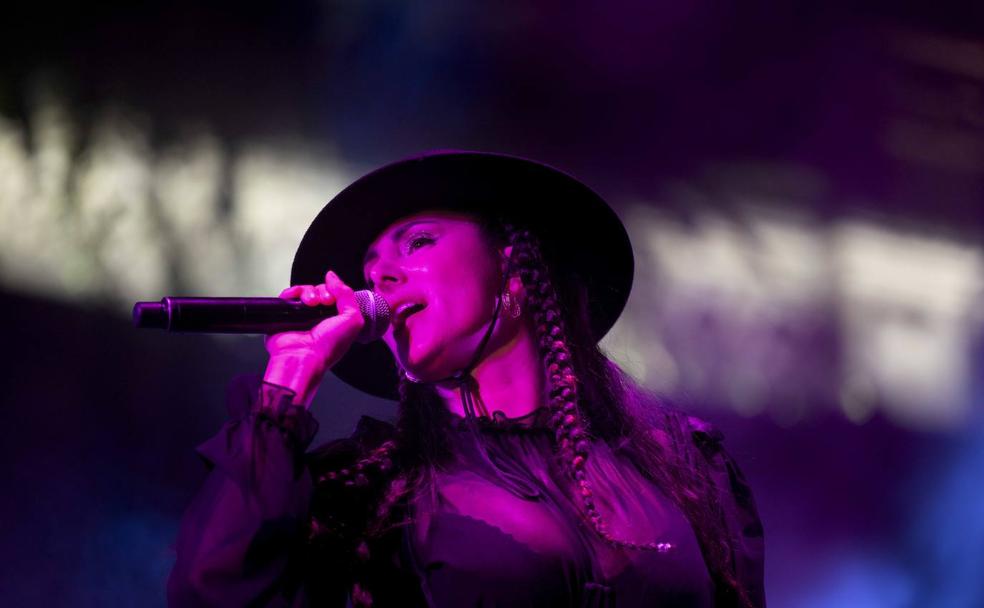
{"x": 512, "y": 306}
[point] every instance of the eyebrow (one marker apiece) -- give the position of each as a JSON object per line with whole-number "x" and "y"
{"x": 372, "y": 254}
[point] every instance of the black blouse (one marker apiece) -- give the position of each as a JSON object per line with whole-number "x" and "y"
{"x": 496, "y": 529}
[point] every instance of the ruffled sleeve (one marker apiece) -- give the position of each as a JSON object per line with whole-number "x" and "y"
{"x": 740, "y": 514}
{"x": 241, "y": 541}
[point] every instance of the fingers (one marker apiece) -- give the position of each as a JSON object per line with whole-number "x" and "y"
{"x": 327, "y": 341}
{"x": 292, "y": 292}
{"x": 344, "y": 295}
{"x": 311, "y": 295}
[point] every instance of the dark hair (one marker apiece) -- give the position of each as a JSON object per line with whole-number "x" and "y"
{"x": 589, "y": 397}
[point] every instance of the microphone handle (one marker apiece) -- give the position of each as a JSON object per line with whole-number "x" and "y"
{"x": 229, "y": 315}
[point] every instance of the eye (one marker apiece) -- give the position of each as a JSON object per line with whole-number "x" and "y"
{"x": 418, "y": 240}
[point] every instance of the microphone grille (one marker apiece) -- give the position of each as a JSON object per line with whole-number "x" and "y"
{"x": 376, "y": 312}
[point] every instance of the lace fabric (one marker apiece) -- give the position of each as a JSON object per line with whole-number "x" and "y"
{"x": 489, "y": 545}
{"x": 507, "y": 495}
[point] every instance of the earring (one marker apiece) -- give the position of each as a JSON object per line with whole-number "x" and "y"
{"x": 511, "y": 305}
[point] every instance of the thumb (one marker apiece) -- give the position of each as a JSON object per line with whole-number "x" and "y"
{"x": 345, "y": 300}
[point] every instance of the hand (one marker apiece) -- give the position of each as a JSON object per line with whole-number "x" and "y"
{"x": 299, "y": 359}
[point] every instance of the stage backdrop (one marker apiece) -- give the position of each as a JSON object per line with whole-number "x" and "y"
{"x": 802, "y": 183}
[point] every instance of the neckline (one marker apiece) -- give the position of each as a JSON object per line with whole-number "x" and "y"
{"x": 534, "y": 420}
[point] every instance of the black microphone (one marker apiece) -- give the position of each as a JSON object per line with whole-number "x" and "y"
{"x": 254, "y": 315}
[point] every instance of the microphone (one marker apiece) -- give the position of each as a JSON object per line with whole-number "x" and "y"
{"x": 254, "y": 315}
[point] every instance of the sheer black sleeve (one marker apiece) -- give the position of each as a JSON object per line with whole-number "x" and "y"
{"x": 242, "y": 540}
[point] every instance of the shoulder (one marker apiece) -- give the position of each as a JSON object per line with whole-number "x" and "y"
{"x": 734, "y": 496}
{"x": 701, "y": 442}
{"x": 700, "y": 445}
{"x": 679, "y": 432}
{"x": 705, "y": 436}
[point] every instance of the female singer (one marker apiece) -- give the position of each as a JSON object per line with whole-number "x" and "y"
{"x": 524, "y": 468}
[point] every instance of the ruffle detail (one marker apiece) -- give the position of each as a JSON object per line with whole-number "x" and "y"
{"x": 248, "y": 394}
{"x": 259, "y": 409}
{"x": 274, "y": 403}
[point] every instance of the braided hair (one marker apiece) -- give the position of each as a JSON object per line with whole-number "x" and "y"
{"x": 602, "y": 412}
{"x": 588, "y": 398}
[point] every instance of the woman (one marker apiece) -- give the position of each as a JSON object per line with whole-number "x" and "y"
{"x": 523, "y": 469}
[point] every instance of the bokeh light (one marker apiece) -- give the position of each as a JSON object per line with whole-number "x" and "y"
{"x": 802, "y": 186}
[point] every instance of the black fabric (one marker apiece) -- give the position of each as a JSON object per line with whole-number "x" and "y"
{"x": 502, "y": 529}
{"x": 244, "y": 539}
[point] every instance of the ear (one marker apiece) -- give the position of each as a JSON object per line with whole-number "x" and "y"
{"x": 514, "y": 284}
{"x": 504, "y": 254}
{"x": 516, "y": 289}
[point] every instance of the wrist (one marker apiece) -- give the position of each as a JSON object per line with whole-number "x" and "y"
{"x": 295, "y": 373}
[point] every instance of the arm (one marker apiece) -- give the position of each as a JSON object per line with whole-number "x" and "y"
{"x": 241, "y": 541}
{"x": 739, "y": 510}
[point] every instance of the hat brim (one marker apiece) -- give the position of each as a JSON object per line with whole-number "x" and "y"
{"x": 582, "y": 238}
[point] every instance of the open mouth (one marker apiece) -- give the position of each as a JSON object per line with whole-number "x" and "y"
{"x": 405, "y": 311}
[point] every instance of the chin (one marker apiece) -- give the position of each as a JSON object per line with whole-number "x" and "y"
{"x": 430, "y": 357}
{"x": 426, "y": 365}
{"x": 426, "y": 376}
{"x": 425, "y": 371}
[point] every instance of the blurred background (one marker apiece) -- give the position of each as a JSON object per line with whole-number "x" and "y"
{"x": 802, "y": 183}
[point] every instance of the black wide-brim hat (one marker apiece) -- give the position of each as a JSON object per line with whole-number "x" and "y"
{"x": 582, "y": 239}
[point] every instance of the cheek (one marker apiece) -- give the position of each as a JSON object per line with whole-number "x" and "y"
{"x": 458, "y": 311}
{"x": 460, "y": 294}
{"x": 462, "y": 299}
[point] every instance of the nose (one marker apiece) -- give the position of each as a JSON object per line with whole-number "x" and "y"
{"x": 385, "y": 275}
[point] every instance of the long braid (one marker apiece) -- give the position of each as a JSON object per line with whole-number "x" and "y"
{"x": 567, "y": 422}
{"x": 374, "y": 468}
{"x": 573, "y": 432}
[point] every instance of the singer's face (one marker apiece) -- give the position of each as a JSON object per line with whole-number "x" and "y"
{"x": 440, "y": 276}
